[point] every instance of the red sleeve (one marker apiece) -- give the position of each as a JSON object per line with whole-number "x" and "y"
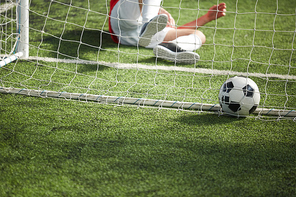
{"x": 112, "y": 4}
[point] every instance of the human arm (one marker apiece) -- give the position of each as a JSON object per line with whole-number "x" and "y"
{"x": 215, "y": 12}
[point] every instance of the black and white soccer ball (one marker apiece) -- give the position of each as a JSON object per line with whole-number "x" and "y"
{"x": 239, "y": 96}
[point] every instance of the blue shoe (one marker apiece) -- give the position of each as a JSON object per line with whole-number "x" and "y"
{"x": 149, "y": 29}
{"x": 172, "y": 52}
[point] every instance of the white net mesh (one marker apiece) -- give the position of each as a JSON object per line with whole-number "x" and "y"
{"x": 8, "y": 34}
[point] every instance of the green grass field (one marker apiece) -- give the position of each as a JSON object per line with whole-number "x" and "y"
{"x": 58, "y": 147}
{"x": 55, "y": 147}
{"x": 61, "y": 31}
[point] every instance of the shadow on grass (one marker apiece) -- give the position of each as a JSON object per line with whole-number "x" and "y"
{"x": 207, "y": 119}
{"x": 85, "y": 44}
{"x": 141, "y": 152}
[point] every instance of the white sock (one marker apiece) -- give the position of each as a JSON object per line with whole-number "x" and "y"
{"x": 150, "y": 9}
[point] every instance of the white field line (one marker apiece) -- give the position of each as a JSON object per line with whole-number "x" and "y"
{"x": 166, "y": 68}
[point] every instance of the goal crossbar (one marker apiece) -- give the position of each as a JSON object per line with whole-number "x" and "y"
{"x": 139, "y": 101}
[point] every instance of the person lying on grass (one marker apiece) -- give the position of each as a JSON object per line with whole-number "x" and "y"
{"x": 145, "y": 23}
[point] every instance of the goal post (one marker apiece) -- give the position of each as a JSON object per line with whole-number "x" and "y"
{"x": 14, "y": 30}
{"x": 72, "y": 56}
{"x": 23, "y": 27}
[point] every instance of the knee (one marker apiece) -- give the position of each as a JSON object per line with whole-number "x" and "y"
{"x": 201, "y": 36}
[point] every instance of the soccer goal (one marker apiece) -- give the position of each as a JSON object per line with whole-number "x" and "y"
{"x": 65, "y": 51}
{"x": 14, "y": 42}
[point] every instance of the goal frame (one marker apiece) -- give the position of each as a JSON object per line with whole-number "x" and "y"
{"x": 21, "y": 49}
{"x": 23, "y": 27}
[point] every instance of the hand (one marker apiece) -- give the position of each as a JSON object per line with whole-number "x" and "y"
{"x": 171, "y": 20}
{"x": 216, "y": 11}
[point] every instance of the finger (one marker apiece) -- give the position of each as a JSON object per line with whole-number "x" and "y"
{"x": 222, "y": 10}
{"x": 214, "y": 7}
{"x": 222, "y": 13}
{"x": 222, "y": 6}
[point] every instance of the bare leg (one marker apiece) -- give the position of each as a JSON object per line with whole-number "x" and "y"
{"x": 175, "y": 33}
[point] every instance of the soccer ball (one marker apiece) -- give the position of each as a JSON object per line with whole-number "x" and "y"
{"x": 239, "y": 96}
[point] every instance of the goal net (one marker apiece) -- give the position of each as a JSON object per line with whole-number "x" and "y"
{"x": 65, "y": 50}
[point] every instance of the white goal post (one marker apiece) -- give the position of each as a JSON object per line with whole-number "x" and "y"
{"x": 65, "y": 51}
{"x": 18, "y": 36}
{"x": 23, "y": 27}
